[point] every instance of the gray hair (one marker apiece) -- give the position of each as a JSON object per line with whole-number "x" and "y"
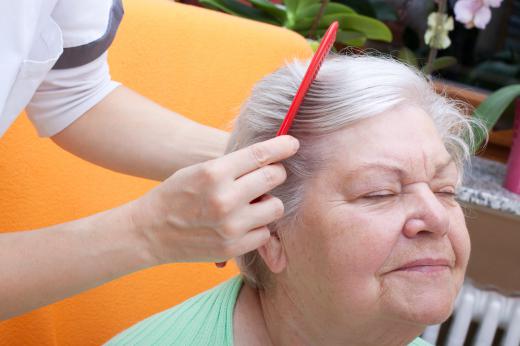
{"x": 348, "y": 88}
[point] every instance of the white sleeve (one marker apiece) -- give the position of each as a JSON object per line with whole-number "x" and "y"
{"x": 80, "y": 78}
{"x": 66, "y": 94}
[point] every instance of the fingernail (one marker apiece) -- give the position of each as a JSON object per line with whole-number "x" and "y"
{"x": 296, "y": 143}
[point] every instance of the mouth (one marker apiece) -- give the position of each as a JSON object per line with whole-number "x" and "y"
{"x": 425, "y": 265}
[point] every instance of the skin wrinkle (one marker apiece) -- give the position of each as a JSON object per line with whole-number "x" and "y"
{"x": 341, "y": 258}
{"x": 439, "y": 167}
{"x": 299, "y": 338}
{"x": 375, "y": 110}
{"x": 392, "y": 171}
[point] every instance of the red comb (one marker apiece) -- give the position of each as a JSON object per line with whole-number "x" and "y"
{"x": 310, "y": 75}
{"x": 323, "y": 49}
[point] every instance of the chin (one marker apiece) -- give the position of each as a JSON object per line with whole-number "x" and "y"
{"x": 433, "y": 314}
{"x": 424, "y": 299}
{"x": 431, "y": 309}
{"x": 427, "y": 307}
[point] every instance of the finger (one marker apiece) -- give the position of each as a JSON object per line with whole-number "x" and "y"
{"x": 251, "y": 241}
{"x": 260, "y": 214}
{"x": 259, "y": 182}
{"x": 259, "y": 155}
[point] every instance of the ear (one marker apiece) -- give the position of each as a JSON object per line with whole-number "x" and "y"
{"x": 273, "y": 254}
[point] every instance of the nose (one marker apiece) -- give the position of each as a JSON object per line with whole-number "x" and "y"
{"x": 426, "y": 214}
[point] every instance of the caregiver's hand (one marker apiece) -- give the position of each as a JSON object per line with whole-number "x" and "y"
{"x": 203, "y": 212}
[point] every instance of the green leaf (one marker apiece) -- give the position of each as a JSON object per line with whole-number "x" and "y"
{"x": 493, "y": 106}
{"x": 440, "y": 63}
{"x": 407, "y": 56}
{"x": 373, "y": 29}
{"x": 276, "y": 11}
{"x": 302, "y": 25}
{"x": 238, "y": 9}
{"x": 331, "y": 8}
{"x": 351, "y": 38}
{"x": 293, "y": 7}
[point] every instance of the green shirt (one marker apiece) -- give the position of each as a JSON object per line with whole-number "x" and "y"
{"x": 206, "y": 319}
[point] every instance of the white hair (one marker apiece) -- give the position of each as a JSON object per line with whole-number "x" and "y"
{"x": 348, "y": 88}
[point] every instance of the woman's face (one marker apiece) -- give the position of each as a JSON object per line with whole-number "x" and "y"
{"x": 381, "y": 237}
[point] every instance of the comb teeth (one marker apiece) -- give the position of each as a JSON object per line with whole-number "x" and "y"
{"x": 318, "y": 69}
{"x": 314, "y": 66}
{"x": 322, "y": 58}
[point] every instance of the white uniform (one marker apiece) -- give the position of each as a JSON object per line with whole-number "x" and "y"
{"x": 53, "y": 59}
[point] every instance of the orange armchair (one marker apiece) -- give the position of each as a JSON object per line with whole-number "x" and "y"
{"x": 197, "y": 62}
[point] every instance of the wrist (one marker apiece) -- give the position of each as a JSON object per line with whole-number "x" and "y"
{"x": 211, "y": 142}
{"x": 137, "y": 231}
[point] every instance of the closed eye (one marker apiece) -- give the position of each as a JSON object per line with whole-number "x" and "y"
{"x": 388, "y": 195}
{"x": 446, "y": 193}
{"x": 380, "y": 196}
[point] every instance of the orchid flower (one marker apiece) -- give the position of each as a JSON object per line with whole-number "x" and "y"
{"x": 439, "y": 25}
{"x": 475, "y": 13}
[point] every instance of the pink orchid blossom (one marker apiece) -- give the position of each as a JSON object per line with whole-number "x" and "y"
{"x": 475, "y": 13}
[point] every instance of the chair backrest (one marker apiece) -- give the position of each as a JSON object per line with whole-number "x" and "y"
{"x": 197, "y": 62}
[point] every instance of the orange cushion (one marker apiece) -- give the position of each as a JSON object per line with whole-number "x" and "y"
{"x": 197, "y": 62}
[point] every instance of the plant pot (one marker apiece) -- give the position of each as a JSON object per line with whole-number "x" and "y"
{"x": 512, "y": 181}
{"x": 500, "y": 141}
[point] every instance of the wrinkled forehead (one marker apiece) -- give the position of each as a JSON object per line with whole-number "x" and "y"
{"x": 404, "y": 141}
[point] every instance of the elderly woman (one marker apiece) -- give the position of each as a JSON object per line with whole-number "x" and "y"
{"x": 373, "y": 245}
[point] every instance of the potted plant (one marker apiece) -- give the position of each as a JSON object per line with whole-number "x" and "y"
{"x": 310, "y": 18}
{"x": 489, "y": 111}
{"x": 448, "y": 37}
{"x": 385, "y": 25}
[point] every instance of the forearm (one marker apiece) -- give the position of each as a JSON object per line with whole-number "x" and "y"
{"x": 43, "y": 266}
{"x": 187, "y": 218}
{"x": 130, "y": 134}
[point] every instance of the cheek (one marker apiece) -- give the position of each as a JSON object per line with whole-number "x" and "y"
{"x": 459, "y": 238}
{"x": 357, "y": 242}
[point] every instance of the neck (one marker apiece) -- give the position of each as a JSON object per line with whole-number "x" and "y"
{"x": 275, "y": 317}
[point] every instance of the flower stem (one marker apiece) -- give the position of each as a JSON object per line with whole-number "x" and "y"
{"x": 317, "y": 19}
{"x": 432, "y": 54}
